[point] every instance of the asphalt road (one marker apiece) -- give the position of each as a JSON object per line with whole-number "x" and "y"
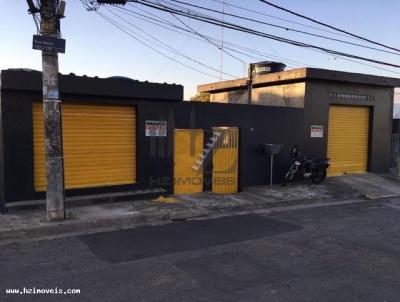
{"x": 342, "y": 253}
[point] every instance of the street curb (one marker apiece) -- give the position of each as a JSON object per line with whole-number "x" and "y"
{"x": 72, "y": 225}
{"x": 85, "y": 200}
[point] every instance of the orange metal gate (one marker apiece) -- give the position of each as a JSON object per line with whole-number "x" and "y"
{"x": 225, "y": 160}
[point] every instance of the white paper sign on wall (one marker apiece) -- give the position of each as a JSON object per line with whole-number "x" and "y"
{"x": 317, "y": 131}
{"x": 156, "y": 128}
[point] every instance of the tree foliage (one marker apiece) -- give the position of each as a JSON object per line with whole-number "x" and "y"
{"x": 200, "y": 97}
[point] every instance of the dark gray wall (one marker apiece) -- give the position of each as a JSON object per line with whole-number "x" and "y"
{"x": 316, "y": 112}
{"x": 258, "y": 124}
{"x": 18, "y": 144}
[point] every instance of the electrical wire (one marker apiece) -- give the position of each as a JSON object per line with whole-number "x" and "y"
{"x": 329, "y": 26}
{"x": 168, "y": 47}
{"x": 282, "y": 19}
{"x": 235, "y": 46}
{"x": 152, "y": 48}
{"x": 158, "y": 21}
{"x": 236, "y": 27}
{"x": 284, "y": 28}
{"x": 129, "y": 33}
{"x": 249, "y": 51}
{"x": 36, "y": 21}
{"x": 175, "y": 27}
{"x": 205, "y": 38}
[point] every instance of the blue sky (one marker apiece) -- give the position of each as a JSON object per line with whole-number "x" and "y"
{"x": 95, "y": 47}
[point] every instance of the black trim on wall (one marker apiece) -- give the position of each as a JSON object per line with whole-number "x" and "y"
{"x": 370, "y": 130}
{"x": 2, "y": 183}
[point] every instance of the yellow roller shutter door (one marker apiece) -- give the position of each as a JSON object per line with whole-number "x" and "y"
{"x": 348, "y": 139}
{"x": 99, "y": 145}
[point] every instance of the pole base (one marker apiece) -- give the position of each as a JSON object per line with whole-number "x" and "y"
{"x": 55, "y": 215}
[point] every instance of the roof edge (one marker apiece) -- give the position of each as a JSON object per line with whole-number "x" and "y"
{"x": 31, "y": 80}
{"x": 300, "y": 75}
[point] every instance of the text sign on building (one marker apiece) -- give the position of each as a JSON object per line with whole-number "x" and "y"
{"x": 317, "y": 131}
{"x": 351, "y": 96}
{"x": 156, "y": 128}
{"x": 47, "y": 43}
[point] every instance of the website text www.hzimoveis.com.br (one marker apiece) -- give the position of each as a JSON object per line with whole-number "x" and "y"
{"x": 42, "y": 291}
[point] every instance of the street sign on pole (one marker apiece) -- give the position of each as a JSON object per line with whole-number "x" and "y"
{"x": 50, "y": 44}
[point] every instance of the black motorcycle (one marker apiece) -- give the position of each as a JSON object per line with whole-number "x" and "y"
{"x": 308, "y": 168}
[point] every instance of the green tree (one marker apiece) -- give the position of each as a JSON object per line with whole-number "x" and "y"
{"x": 200, "y": 97}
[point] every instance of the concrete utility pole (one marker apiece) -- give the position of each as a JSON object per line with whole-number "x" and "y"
{"x": 55, "y": 195}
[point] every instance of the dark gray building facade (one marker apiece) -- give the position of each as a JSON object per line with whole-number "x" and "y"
{"x": 290, "y": 107}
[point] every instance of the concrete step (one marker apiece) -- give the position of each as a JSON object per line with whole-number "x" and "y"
{"x": 84, "y": 200}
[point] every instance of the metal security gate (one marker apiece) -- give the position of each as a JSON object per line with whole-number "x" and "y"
{"x": 188, "y": 150}
{"x": 348, "y": 139}
{"x": 225, "y": 160}
{"x": 99, "y": 143}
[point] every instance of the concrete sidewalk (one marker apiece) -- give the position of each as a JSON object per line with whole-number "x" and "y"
{"x": 373, "y": 186}
{"x": 30, "y": 224}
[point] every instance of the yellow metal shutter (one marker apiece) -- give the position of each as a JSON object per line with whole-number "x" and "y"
{"x": 348, "y": 139}
{"x": 188, "y": 171}
{"x": 99, "y": 145}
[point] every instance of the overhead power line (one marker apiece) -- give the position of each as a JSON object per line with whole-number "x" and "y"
{"x": 282, "y": 19}
{"x": 234, "y": 47}
{"x": 205, "y": 38}
{"x": 120, "y": 27}
{"x": 284, "y": 27}
{"x": 329, "y": 26}
{"x": 168, "y": 47}
{"x": 237, "y": 27}
{"x": 160, "y": 22}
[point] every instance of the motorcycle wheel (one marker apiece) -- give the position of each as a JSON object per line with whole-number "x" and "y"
{"x": 318, "y": 176}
